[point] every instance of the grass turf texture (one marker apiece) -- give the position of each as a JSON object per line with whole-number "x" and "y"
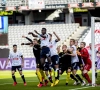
{"x": 32, "y": 81}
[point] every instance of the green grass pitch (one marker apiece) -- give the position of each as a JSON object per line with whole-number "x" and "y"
{"x": 6, "y": 82}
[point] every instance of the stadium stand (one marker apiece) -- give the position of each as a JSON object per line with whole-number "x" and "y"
{"x": 48, "y": 2}
{"x": 15, "y": 34}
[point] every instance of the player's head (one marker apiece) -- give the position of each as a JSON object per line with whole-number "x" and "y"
{"x": 76, "y": 42}
{"x": 14, "y": 47}
{"x": 72, "y": 42}
{"x": 35, "y": 41}
{"x": 50, "y": 36}
{"x": 64, "y": 47}
{"x": 90, "y": 45}
{"x": 58, "y": 48}
{"x": 82, "y": 44}
{"x": 43, "y": 31}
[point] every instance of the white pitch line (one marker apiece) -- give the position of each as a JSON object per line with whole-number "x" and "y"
{"x": 79, "y": 88}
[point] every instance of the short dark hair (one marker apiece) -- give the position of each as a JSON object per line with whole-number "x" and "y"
{"x": 44, "y": 29}
{"x": 35, "y": 39}
{"x": 64, "y": 46}
{"x": 14, "y": 45}
{"x": 73, "y": 40}
{"x": 84, "y": 43}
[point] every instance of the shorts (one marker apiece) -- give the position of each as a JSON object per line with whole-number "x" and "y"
{"x": 64, "y": 68}
{"x": 46, "y": 66}
{"x": 38, "y": 64}
{"x": 87, "y": 67}
{"x": 75, "y": 66}
{"x": 45, "y": 52}
{"x": 14, "y": 68}
{"x": 55, "y": 59}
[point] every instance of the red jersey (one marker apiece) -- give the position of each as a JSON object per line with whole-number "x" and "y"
{"x": 85, "y": 56}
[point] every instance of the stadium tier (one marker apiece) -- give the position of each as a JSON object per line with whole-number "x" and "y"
{"x": 15, "y": 34}
{"x": 47, "y": 2}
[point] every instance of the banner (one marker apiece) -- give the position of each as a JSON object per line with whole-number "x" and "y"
{"x": 29, "y": 64}
{"x": 3, "y": 24}
{"x": 36, "y": 4}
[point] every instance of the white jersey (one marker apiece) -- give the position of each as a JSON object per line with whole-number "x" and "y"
{"x": 74, "y": 58}
{"x": 44, "y": 41}
{"x": 90, "y": 54}
{"x": 53, "y": 47}
{"x": 16, "y": 58}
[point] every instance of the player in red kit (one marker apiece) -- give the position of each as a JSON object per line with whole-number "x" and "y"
{"x": 87, "y": 62}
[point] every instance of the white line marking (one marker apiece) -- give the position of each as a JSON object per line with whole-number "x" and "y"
{"x": 79, "y": 88}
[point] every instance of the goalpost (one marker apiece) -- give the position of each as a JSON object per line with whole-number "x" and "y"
{"x": 95, "y": 41}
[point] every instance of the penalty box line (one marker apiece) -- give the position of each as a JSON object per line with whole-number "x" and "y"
{"x": 80, "y": 88}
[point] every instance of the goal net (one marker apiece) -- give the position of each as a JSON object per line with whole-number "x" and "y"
{"x": 95, "y": 41}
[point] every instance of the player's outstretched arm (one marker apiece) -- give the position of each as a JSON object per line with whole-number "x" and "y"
{"x": 32, "y": 34}
{"x": 71, "y": 50}
{"x": 58, "y": 39}
{"x": 27, "y": 38}
{"x": 26, "y": 43}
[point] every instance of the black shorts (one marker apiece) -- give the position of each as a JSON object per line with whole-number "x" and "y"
{"x": 14, "y": 68}
{"x": 45, "y": 52}
{"x": 55, "y": 59}
{"x": 46, "y": 66}
{"x": 75, "y": 66}
{"x": 64, "y": 68}
{"x": 38, "y": 64}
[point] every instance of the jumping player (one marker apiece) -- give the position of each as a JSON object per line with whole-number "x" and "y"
{"x": 54, "y": 56}
{"x": 36, "y": 51}
{"x": 87, "y": 62}
{"x": 16, "y": 58}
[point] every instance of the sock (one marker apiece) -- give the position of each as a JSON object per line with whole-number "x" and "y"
{"x": 96, "y": 75}
{"x": 72, "y": 76}
{"x": 23, "y": 78}
{"x": 79, "y": 78}
{"x": 50, "y": 79}
{"x": 57, "y": 74}
{"x": 86, "y": 76}
{"x": 14, "y": 78}
{"x": 68, "y": 77}
{"x": 39, "y": 76}
{"x": 43, "y": 74}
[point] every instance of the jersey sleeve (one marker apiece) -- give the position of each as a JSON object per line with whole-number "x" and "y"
{"x": 39, "y": 36}
{"x": 20, "y": 54}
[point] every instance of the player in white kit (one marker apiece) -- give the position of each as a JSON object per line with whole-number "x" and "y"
{"x": 54, "y": 56}
{"x": 90, "y": 53}
{"x": 74, "y": 62}
{"x": 17, "y": 64}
